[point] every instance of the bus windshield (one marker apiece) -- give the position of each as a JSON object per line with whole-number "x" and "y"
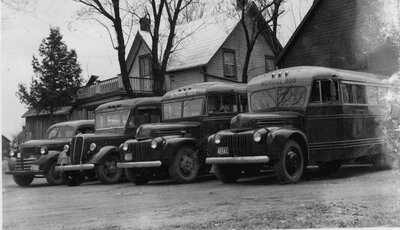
{"x": 283, "y": 97}
{"x": 181, "y": 109}
{"x": 111, "y": 120}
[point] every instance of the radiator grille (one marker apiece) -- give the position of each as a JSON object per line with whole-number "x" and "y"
{"x": 141, "y": 150}
{"x": 76, "y": 149}
{"x": 24, "y": 164}
{"x": 238, "y": 143}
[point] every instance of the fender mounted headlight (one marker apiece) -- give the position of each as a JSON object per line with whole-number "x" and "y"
{"x": 43, "y": 150}
{"x": 217, "y": 139}
{"x": 257, "y": 136}
{"x": 92, "y": 147}
{"x": 124, "y": 146}
{"x": 154, "y": 144}
{"x": 66, "y": 148}
{"x": 12, "y": 153}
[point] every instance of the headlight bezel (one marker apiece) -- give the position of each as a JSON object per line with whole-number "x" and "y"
{"x": 66, "y": 148}
{"x": 154, "y": 144}
{"x": 92, "y": 147}
{"x": 125, "y": 147}
{"x": 258, "y": 135}
{"x": 217, "y": 139}
{"x": 11, "y": 153}
{"x": 43, "y": 150}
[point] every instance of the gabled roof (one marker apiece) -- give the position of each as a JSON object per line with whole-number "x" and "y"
{"x": 296, "y": 33}
{"x": 202, "y": 39}
{"x": 33, "y": 112}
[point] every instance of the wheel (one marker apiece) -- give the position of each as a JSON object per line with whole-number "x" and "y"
{"x": 138, "y": 176}
{"x": 23, "y": 180}
{"x": 185, "y": 165}
{"x": 328, "y": 167}
{"x": 227, "y": 173}
{"x": 107, "y": 171}
{"x": 290, "y": 166}
{"x": 53, "y": 177}
{"x": 72, "y": 179}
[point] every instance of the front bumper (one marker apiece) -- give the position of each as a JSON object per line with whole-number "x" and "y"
{"x": 237, "y": 160}
{"x": 81, "y": 167}
{"x": 141, "y": 164}
{"x": 24, "y": 173}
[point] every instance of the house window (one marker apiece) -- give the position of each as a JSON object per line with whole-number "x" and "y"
{"x": 269, "y": 63}
{"x": 229, "y": 63}
{"x": 145, "y": 66}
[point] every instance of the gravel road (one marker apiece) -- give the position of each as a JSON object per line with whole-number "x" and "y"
{"x": 352, "y": 197}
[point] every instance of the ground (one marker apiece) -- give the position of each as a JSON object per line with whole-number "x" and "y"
{"x": 353, "y": 197}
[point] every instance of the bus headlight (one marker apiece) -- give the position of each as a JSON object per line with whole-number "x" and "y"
{"x": 217, "y": 139}
{"x": 12, "y": 153}
{"x": 66, "y": 148}
{"x": 257, "y": 136}
{"x": 125, "y": 146}
{"x": 154, "y": 144}
{"x": 43, "y": 150}
{"x": 92, "y": 147}
{"x": 19, "y": 155}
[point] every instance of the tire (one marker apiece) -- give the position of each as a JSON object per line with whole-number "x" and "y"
{"x": 138, "y": 176}
{"x": 227, "y": 173}
{"x": 53, "y": 177}
{"x": 290, "y": 165}
{"x": 185, "y": 166}
{"x": 328, "y": 167}
{"x": 23, "y": 181}
{"x": 107, "y": 171}
{"x": 71, "y": 179}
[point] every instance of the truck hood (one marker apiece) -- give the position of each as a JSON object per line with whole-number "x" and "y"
{"x": 166, "y": 129}
{"x": 46, "y": 142}
{"x": 248, "y": 121}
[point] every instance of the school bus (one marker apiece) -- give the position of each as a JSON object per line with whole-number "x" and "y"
{"x": 302, "y": 116}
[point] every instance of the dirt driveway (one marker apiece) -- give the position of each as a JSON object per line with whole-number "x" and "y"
{"x": 354, "y": 197}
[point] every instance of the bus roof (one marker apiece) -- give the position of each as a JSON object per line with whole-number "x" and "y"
{"x": 203, "y": 89}
{"x": 304, "y": 76}
{"x": 74, "y": 123}
{"x": 130, "y": 103}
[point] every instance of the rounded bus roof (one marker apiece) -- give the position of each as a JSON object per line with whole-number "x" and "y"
{"x": 74, "y": 123}
{"x": 130, "y": 103}
{"x": 304, "y": 76}
{"x": 203, "y": 89}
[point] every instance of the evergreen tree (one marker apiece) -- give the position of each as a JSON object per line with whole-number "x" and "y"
{"x": 56, "y": 77}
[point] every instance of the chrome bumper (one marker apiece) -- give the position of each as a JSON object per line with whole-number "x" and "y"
{"x": 142, "y": 164}
{"x": 80, "y": 167}
{"x": 237, "y": 160}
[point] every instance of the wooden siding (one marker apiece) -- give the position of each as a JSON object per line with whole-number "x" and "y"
{"x": 135, "y": 67}
{"x": 342, "y": 34}
{"x": 237, "y": 41}
{"x": 36, "y": 127}
{"x": 182, "y": 78}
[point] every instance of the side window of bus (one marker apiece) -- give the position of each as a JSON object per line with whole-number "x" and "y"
{"x": 222, "y": 104}
{"x": 360, "y": 94}
{"x": 315, "y": 92}
{"x": 347, "y": 93}
{"x": 329, "y": 91}
{"x": 243, "y": 103}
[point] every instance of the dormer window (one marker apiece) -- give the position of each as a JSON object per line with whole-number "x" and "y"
{"x": 145, "y": 66}
{"x": 229, "y": 60}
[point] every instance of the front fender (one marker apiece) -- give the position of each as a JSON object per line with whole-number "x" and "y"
{"x": 103, "y": 152}
{"x": 173, "y": 145}
{"x": 280, "y": 135}
{"x": 45, "y": 160}
{"x": 63, "y": 158}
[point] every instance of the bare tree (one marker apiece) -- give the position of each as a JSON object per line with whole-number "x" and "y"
{"x": 111, "y": 10}
{"x": 258, "y": 17}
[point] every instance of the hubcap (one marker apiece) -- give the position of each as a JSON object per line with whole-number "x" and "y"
{"x": 186, "y": 164}
{"x": 292, "y": 162}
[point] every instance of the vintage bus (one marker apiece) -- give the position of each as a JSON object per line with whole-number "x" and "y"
{"x": 302, "y": 116}
{"x": 176, "y": 147}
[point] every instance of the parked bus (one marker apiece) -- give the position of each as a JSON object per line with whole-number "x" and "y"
{"x": 302, "y": 116}
{"x": 176, "y": 147}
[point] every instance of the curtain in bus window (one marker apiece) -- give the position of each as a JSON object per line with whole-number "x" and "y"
{"x": 263, "y": 99}
{"x": 291, "y": 96}
{"x": 347, "y": 91}
{"x": 360, "y": 94}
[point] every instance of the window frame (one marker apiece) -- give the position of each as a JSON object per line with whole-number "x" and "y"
{"x": 231, "y": 51}
{"x": 266, "y": 58}
{"x": 141, "y": 58}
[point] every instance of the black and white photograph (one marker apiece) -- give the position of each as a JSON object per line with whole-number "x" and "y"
{"x": 200, "y": 114}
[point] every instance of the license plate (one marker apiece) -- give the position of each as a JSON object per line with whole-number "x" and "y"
{"x": 128, "y": 157}
{"x": 223, "y": 151}
{"x": 35, "y": 167}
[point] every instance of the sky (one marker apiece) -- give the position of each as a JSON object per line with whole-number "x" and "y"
{"x": 23, "y": 30}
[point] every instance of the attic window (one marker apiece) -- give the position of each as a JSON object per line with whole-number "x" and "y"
{"x": 145, "y": 66}
{"x": 229, "y": 63}
{"x": 269, "y": 63}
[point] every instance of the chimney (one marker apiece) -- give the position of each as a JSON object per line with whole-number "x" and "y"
{"x": 241, "y": 4}
{"x": 144, "y": 24}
